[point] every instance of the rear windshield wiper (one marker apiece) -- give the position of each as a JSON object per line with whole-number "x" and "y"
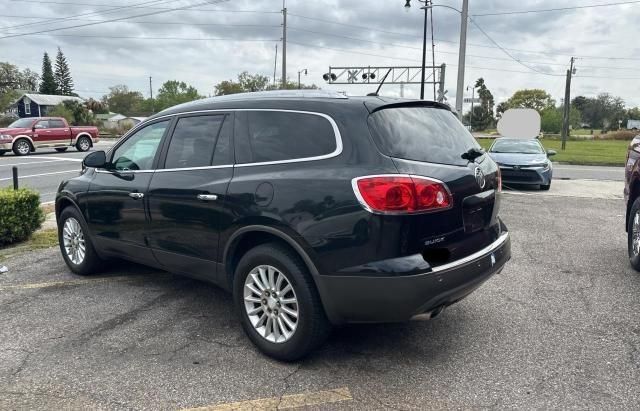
{"x": 472, "y": 154}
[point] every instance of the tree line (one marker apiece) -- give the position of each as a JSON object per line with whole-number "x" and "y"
{"x": 604, "y": 112}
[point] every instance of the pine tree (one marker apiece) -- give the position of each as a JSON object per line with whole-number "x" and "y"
{"x": 64, "y": 82}
{"x": 48, "y": 84}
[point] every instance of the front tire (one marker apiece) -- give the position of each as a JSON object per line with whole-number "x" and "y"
{"x": 3, "y": 152}
{"x": 279, "y": 306}
{"x": 83, "y": 144}
{"x": 75, "y": 244}
{"x": 544, "y": 187}
{"x": 61, "y": 149}
{"x": 633, "y": 235}
{"x": 21, "y": 147}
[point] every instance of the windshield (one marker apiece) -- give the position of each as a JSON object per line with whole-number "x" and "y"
{"x": 22, "y": 123}
{"x": 517, "y": 146}
{"x": 427, "y": 134}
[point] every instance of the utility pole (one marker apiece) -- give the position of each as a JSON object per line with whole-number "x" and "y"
{"x": 461, "y": 56}
{"x": 284, "y": 45}
{"x": 473, "y": 97}
{"x": 402, "y": 90}
{"x": 424, "y": 51}
{"x": 151, "y": 95}
{"x": 567, "y": 105}
{"x": 275, "y": 66}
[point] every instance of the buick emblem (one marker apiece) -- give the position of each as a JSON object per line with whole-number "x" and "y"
{"x": 480, "y": 178}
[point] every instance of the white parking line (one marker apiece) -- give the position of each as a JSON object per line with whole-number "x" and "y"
{"x": 40, "y": 175}
{"x": 29, "y": 163}
{"x": 58, "y": 158}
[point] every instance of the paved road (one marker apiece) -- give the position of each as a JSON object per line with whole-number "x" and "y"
{"x": 569, "y": 172}
{"x": 558, "y": 328}
{"x": 44, "y": 169}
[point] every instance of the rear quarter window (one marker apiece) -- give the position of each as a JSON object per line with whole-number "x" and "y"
{"x": 426, "y": 134}
{"x": 280, "y": 136}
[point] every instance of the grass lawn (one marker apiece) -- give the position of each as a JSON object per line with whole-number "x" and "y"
{"x": 588, "y": 152}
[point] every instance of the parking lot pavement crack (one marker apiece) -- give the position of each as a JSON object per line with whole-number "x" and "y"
{"x": 122, "y": 319}
{"x": 285, "y": 380}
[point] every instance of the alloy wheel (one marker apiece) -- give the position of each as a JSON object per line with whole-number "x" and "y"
{"x": 635, "y": 234}
{"x": 271, "y": 304}
{"x": 73, "y": 241}
{"x": 84, "y": 144}
{"x": 23, "y": 147}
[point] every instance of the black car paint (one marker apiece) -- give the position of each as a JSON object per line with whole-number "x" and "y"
{"x": 300, "y": 203}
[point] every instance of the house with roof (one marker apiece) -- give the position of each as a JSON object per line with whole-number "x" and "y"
{"x": 37, "y": 105}
{"x": 109, "y": 120}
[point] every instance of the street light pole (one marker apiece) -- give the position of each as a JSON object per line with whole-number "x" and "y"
{"x": 473, "y": 97}
{"x": 407, "y": 6}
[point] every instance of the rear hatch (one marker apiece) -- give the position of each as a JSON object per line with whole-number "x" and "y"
{"x": 428, "y": 140}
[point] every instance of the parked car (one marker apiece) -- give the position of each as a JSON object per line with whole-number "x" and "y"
{"x": 632, "y": 201}
{"x": 312, "y": 208}
{"x": 523, "y": 161}
{"x": 28, "y": 134}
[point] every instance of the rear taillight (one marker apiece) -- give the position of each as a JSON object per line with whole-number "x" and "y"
{"x": 398, "y": 194}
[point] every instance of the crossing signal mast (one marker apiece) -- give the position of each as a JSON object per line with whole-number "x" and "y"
{"x": 360, "y": 75}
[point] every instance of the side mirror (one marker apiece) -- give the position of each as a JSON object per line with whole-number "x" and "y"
{"x": 97, "y": 159}
{"x": 551, "y": 153}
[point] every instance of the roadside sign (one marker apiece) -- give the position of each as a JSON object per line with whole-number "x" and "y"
{"x": 469, "y": 100}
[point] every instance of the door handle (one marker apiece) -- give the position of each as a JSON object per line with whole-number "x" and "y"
{"x": 136, "y": 196}
{"x": 207, "y": 197}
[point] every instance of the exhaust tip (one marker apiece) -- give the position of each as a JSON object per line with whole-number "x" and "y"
{"x": 428, "y": 315}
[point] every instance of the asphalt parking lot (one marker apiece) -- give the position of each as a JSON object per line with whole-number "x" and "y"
{"x": 558, "y": 328}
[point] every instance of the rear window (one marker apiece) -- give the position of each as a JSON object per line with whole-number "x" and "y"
{"x": 277, "y": 136}
{"x": 422, "y": 134}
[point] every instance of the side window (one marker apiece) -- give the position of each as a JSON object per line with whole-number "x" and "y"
{"x": 139, "y": 150}
{"x": 56, "y": 124}
{"x": 193, "y": 141}
{"x": 42, "y": 124}
{"x": 275, "y": 136}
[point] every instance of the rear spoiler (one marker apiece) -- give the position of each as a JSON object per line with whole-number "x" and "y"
{"x": 406, "y": 103}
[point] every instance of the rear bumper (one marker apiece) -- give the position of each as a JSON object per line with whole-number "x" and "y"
{"x": 6, "y": 146}
{"x": 349, "y": 299}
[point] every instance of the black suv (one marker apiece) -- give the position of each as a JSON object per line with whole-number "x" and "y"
{"x": 311, "y": 208}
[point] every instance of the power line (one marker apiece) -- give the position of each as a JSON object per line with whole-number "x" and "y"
{"x": 158, "y": 38}
{"x": 87, "y": 14}
{"x": 507, "y": 52}
{"x": 111, "y": 20}
{"x": 555, "y": 9}
{"x": 142, "y": 7}
{"x": 168, "y": 23}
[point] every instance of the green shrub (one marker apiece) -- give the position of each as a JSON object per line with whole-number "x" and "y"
{"x": 20, "y": 214}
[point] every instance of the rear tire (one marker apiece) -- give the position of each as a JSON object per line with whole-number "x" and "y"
{"x": 75, "y": 244}
{"x": 3, "y": 152}
{"x": 83, "y": 144}
{"x": 61, "y": 149}
{"x": 21, "y": 147}
{"x": 311, "y": 326}
{"x": 633, "y": 233}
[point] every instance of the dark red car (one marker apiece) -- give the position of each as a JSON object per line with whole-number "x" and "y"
{"x": 632, "y": 199}
{"x": 28, "y": 134}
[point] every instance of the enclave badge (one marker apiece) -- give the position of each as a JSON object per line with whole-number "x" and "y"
{"x": 480, "y": 178}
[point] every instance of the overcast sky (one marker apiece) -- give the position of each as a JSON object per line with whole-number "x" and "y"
{"x": 373, "y": 32}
